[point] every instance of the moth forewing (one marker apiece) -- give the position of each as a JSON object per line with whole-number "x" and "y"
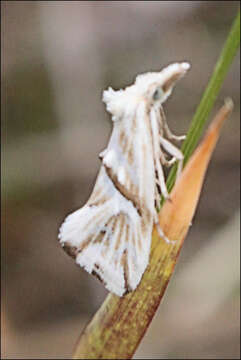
{"x": 110, "y": 236}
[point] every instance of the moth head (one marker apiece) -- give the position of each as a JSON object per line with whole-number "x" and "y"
{"x": 153, "y": 87}
{"x": 157, "y": 86}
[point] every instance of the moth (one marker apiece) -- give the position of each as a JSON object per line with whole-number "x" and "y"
{"x": 110, "y": 236}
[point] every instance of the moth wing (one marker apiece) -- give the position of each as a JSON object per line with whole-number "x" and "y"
{"x": 106, "y": 237}
{"x": 111, "y": 235}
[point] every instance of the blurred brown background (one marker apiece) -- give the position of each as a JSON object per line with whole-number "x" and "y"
{"x": 57, "y": 58}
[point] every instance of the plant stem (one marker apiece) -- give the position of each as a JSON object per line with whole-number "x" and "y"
{"x": 119, "y": 325}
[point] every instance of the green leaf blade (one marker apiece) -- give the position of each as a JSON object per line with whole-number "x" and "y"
{"x": 200, "y": 117}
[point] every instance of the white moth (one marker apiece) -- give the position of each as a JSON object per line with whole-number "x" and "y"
{"x": 110, "y": 236}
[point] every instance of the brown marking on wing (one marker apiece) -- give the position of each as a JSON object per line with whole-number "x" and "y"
{"x": 145, "y": 220}
{"x": 122, "y": 138}
{"x": 99, "y": 238}
{"x": 138, "y": 240}
{"x": 144, "y": 225}
{"x": 93, "y": 220}
{"x": 147, "y": 120}
{"x": 130, "y": 155}
{"x": 127, "y": 232}
{"x": 126, "y": 146}
{"x": 143, "y": 188}
{"x": 107, "y": 240}
{"x": 133, "y": 240}
{"x": 134, "y": 189}
{"x": 127, "y": 182}
{"x": 121, "y": 223}
{"x": 96, "y": 193}
{"x": 123, "y": 190}
{"x": 133, "y": 125}
{"x": 125, "y": 268}
{"x": 130, "y": 151}
{"x": 97, "y": 197}
{"x": 115, "y": 218}
{"x": 148, "y": 215}
{"x": 139, "y": 243}
{"x": 97, "y": 202}
{"x": 71, "y": 250}
{"x": 102, "y": 234}
{"x": 85, "y": 243}
{"x": 98, "y": 276}
{"x": 123, "y": 141}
